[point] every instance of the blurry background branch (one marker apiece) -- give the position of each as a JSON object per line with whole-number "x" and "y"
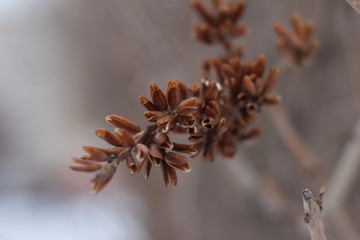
{"x": 355, "y": 4}
{"x": 345, "y": 172}
{"x": 292, "y": 139}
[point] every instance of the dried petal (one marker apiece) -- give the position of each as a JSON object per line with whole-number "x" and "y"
{"x": 173, "y": 94}
{"x": 141, "y": 151}
{"x": 160, "y": 138}
{"x": 147, "y": 169}
{"x": 123, "y": 123}
{"x": 155, "y": 161}
{"x": 189, "y": 102}
{"x": 158, "y": 97}
{"x": 272, "y": 99}
{"x": 270, "y": 81}
{"x": 109, "y": 137}
{"x": 155, "y": 152}
{"x": 249, "y": 86}
{"x": 88, "y": 166}
{"x": 124, "y": 137}
{"x": 96, "y": 154}
{"x": 202, "y": 10}
{"x": 165, "y": 120}
{"x": 259, "y": 66}
{"x": 178, "y": 161}
{"x": 130, "y": 162}
{"x": 184, "y": 148}
{"x": 147, "y": 103}
{"x": 153, "y": 116}
{"x": 103, "y": 178}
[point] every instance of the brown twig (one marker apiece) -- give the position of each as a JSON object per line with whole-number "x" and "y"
{"x": 312, "y": 217}
{"x": 261, "y": 185}
{"x": 292, "y": 139}
{"x": 355, "y": 4}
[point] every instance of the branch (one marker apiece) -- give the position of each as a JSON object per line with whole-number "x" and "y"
{"x": 292, "y": 139}
{"x": 312, "y": 217}
{"x": 355, "y": 4}
{"x": 345, "y": 172}
{"x": 261, "y": 185}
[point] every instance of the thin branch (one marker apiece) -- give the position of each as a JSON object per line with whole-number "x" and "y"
{"x": 355, "y": 4}
{"x": 345, "y": 172}
{"x": 262, "y": 186}
{"x": 292, "y": 139}
{"x": 312, "y": 217}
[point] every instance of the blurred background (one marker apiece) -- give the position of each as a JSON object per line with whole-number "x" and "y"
{"x": 66, "y": 64}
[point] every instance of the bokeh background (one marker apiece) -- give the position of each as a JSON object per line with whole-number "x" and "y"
{"x": 66, "y": 64}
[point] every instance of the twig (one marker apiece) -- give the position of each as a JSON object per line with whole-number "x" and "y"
{"x": 262, "y": 186}
{"x": 355, "y": 4}
{"x": 292, "y": 139}
{"x": 345, "y": 171}
{"x": 312, "y": 217}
